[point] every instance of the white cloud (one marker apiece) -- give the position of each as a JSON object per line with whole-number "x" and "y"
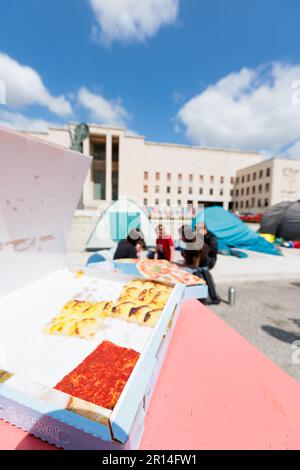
{"x": 254, "y": 109}
{"x": 102, "y": 110}
{"x": 23, "y": 123}
{"x": 293, "y": 150}
{"x": 24, "y": 87}
{"x": 132, "y": 20}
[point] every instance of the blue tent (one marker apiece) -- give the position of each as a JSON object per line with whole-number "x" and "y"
{"x": 231, "y": 232}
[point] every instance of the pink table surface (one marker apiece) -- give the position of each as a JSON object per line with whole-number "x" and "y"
{"x": 216, "y": 391}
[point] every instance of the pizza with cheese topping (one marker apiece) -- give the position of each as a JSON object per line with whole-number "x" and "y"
{"x": 79, "y": 319}
{"x": 164, "y": 271}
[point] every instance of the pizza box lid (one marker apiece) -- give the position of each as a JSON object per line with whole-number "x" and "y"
{"x": 40, "y": 186}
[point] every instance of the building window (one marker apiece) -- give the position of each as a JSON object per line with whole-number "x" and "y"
{"x": 190, "y": 190}
{"x": 242, "y": 192}
{"x": 242, "y": 205}
{"x": 179, "y": 202}
{"x": 238, "y": 180}
{"x": 237, "y": 193}
{"x": 169, "y": 176}
{"x": 231, "y": 192}
{"x": 247, "y": 204}
{"x": 232, "y": 180}
{"x": 258, "y": 202}
{"x": 157, "y": 176}
{"x": 254, "y": 176}
{"x": 261, "y": 174}
{"x": 179, "y": 191}
{"x": 115, "y": 168}
{"x": 253, "y": 202}
{"x": 156, "y": 189}
{"x": 212, "y": 180}
{"x": 253, "y": 189}
{"x": 236, "y": 205}
{"x": 191, "y": 178}
{"x": 99, "y": 170}
{"x": 201, "y": 178}
{"x": 168, "y": 202}
{"x": 211, "y": 192}
{"x": 200, "y": 191}
{"x": 146, "y": 175}
{"x": 267, "y": 187}
{"x": 168, "y": 189}
{"x": 157, "y": 202}
{"x": 221, "y": 192}
{"x": 145, "y": 188}
{"x": 243, "y": 179}
{"x": 260, "y": 188}
{"x": 268, "y": 172}
{"x": 248, "y": 178}
{"x": 145, "y": 202}
{"x": 180, "y": 177}
{"x": 222, "y": 179}
{"x": 266, "y": 202}
{"x": 248, "y": 191}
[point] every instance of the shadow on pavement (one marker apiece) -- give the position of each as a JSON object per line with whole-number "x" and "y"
{"x": 282, "y": 335}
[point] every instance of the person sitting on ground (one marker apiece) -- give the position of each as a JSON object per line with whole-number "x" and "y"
{"x": 164, "y": 246}
{"x": 132, "y": 246}
{"x": 194, "y": 250}
{"x": 211, "y": 241}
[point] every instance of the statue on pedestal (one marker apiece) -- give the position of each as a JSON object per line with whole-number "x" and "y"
{"x": 81, "y": 133}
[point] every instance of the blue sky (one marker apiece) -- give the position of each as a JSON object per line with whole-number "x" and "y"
{"x": 214, "y": 72}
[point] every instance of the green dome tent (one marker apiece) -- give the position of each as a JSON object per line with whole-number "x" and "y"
{"x": 116, "y": 222}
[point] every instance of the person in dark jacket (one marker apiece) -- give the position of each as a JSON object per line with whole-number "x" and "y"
{"x": 195, "y": 251}
{"x": 131, "y": 247}
{"x": 209, "y": 261}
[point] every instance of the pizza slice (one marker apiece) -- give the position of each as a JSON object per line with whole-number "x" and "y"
{"x": 152, "y": 317}
{"x": 121, "y": 310}
{"x": 138, "y": 314}
{"x": 100, "y": 379}
{"x": 79, "y": 319}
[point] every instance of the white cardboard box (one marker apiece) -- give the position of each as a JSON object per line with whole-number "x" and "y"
{"x": 39, "y": 190}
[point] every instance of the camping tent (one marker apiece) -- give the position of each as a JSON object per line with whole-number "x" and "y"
{"x": 116, "y": 222}
{"x": 283, "y": 221}
{"x": 231, "y": 232}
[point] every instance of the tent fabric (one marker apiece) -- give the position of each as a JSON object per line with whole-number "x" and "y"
{"x": 116, "y": 222}
{"x": 283, "y": 221}
{"x": 231, "y": 232}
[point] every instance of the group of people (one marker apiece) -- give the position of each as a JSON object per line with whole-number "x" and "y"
{"x": 199, "y": 250}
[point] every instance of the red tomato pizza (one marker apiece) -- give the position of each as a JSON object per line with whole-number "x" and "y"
{"x": 102, "y": 376}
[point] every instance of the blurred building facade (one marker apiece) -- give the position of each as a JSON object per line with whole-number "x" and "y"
{"x": 152, "y": 173}
{"x": 171, "y": 175}
{"x": 269, "y": 182}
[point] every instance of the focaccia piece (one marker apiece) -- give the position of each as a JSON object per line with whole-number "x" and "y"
{"x": 137, "y": 314}
{"x": 85, "y": 328}
{"x": 122, "y": 310}
{"x": 161, "y": 299}
{"x": 152, "y": 317}
{"x": 79, "y": 326}
{"x": 88, "y": 309}
{"x": 79, "y": 319}
{"x": 147, "y": 295}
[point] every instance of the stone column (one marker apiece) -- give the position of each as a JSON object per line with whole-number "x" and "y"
{"x": 108, "y": 167}
{"x": 87, "y": 192}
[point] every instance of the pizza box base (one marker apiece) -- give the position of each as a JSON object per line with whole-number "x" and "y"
{"x": 23, "y": 406}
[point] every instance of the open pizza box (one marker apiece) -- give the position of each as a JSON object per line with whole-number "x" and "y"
{"x": 40, "y": 186}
